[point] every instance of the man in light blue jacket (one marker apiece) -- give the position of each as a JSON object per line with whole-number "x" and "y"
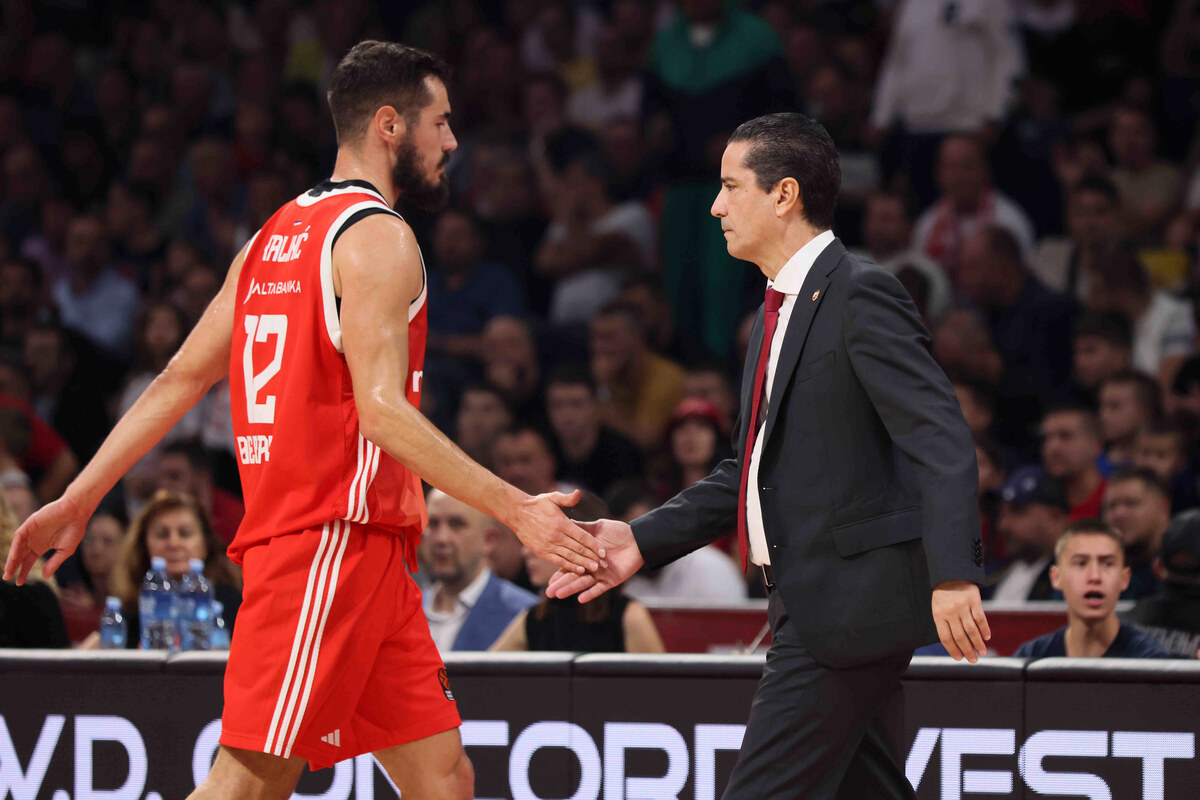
{"x": 467, "y": 606}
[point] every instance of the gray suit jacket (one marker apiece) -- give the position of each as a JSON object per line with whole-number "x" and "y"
{"x": 868, "y": 479}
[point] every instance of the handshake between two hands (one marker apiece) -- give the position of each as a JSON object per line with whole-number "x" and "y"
{"x": 593, "y": 557}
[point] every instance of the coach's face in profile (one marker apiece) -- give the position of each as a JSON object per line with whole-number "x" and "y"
{"x": 746, "y": 212}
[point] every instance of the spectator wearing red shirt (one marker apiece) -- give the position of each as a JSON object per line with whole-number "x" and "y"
{"x": 46, "y": 456}
{"x": 1071, "y": 442}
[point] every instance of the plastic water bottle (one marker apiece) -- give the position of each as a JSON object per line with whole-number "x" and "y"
{"x": 113, "y": 631}
{"x": 156, "y": 606}
{"x": 220, "y": 634}
{"x": 195, "y": 608}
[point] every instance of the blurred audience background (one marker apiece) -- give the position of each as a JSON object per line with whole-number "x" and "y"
{"x": 1029, "y": 169}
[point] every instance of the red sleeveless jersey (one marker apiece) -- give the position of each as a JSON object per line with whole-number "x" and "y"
{"x": 302, "y": 458}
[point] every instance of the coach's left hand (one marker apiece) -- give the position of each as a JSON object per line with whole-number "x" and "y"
{"x": 961, "y": 624}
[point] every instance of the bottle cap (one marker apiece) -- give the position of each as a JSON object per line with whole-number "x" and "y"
{"x": 196, "y": 564}
{"x": 158, "y": 563}
{"x": 113, "y": 603}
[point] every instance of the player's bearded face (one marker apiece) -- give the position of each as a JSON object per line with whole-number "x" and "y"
{"x": 416, "y": 188}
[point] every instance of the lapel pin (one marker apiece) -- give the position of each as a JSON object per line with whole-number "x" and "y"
{"x": 816, "y": 294}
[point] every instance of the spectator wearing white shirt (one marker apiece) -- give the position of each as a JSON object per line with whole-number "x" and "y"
{"x": 615, "y": 94}
{"x": 593, "y": 241}
{"x": 1033, "y": 514}
{"x": 949, "y": 68}
{"x": 1164, "y": 332}
{"x": 707, "y": 575}
{"x": 968, "y": 204}
{"x": 93, "y": 299}
{"x": 887, "y": 233}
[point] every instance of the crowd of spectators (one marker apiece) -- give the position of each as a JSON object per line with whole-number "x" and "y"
{"x": 1028, "y": 169}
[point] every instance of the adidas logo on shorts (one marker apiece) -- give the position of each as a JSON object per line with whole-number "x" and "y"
{"x": 334, "y": 738}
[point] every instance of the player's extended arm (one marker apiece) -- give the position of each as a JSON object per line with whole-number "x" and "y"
{"x": 202, "y": 360}
{"x": 377, "y": 273}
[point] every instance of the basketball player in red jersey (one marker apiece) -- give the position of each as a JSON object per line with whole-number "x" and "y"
{"x": 321, "y": 325}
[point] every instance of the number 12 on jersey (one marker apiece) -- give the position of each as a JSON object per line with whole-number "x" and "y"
{"x": 259, "y": 329}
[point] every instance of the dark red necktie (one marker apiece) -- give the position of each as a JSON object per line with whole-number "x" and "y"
{"x": 770, "y": 320}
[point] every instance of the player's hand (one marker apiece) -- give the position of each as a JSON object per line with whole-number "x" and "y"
{"x": 624, "y": 559}
{"x": 58, "y": 526}
{"x": 541, "y": 525}
{"x": 961, "y": 624}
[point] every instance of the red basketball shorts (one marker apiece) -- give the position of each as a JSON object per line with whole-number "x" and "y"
{"x": 332, "y": 657}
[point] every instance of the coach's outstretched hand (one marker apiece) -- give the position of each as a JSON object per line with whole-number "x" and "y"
{"x": 961, "y": 623}
{"x": 624, "y": 559}
{"x": 541, "y": 525}
{"x": 58, "y": 526}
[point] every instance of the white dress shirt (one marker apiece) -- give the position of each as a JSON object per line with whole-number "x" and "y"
{"x": 789, "y": 281}
{"x": 445, "y": 625}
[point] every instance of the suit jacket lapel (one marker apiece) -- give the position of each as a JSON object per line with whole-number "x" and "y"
{"x": 812, "y": 294}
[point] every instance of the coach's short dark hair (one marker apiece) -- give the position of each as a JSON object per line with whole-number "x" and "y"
{"x": 375, "y": 74}
{"x": 790, "y": 145}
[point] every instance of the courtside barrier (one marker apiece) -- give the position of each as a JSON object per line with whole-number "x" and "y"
{"x": 144, "y": 726}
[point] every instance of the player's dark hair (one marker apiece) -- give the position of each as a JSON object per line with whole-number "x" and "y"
{"x": 790, "y": 145}
{"x": 375, "y": 74}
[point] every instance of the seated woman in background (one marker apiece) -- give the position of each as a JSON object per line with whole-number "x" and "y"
{"x": 99, "y": 554}
{"x": 174, "y": 526}
{"x": 612, "y": 623}
{"x": 696, "y": 442}
{"x": 29, "y": 614}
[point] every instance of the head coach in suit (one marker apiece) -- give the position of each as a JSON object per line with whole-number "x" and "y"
{"x": 852, "y": 488}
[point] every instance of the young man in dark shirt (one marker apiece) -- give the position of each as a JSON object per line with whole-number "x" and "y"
{"x": 1173, "y": 615}
{"x": 1091, "y": 573}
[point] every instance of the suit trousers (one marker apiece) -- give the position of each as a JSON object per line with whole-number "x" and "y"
{"x": 817, "y": 733}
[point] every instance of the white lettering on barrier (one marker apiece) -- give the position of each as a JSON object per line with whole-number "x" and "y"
{"x": 958, "y": 742}
{"x": 25, "y": 784}
{"x": 1153, "y": 749}
{"x": 484, "y": 733}
{"x": 1084, "y": 744}
{"x": 88, "y": 731}
{"x": 357, "y": 778}
{"x": 365, "y": 767}
{"x": 622, "y": 736}
{"x": 708, "y": 740}
{"x": 205, "y": 750}
{"x": 554, "y": 734}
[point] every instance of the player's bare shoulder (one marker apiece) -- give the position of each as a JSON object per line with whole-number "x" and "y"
{"x": 380, "y": 251}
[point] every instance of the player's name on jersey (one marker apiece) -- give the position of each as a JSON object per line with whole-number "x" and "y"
{"x": 272, "y": 287}
{"x": 284, "y": 248}
{"x": 254, "y": 449}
